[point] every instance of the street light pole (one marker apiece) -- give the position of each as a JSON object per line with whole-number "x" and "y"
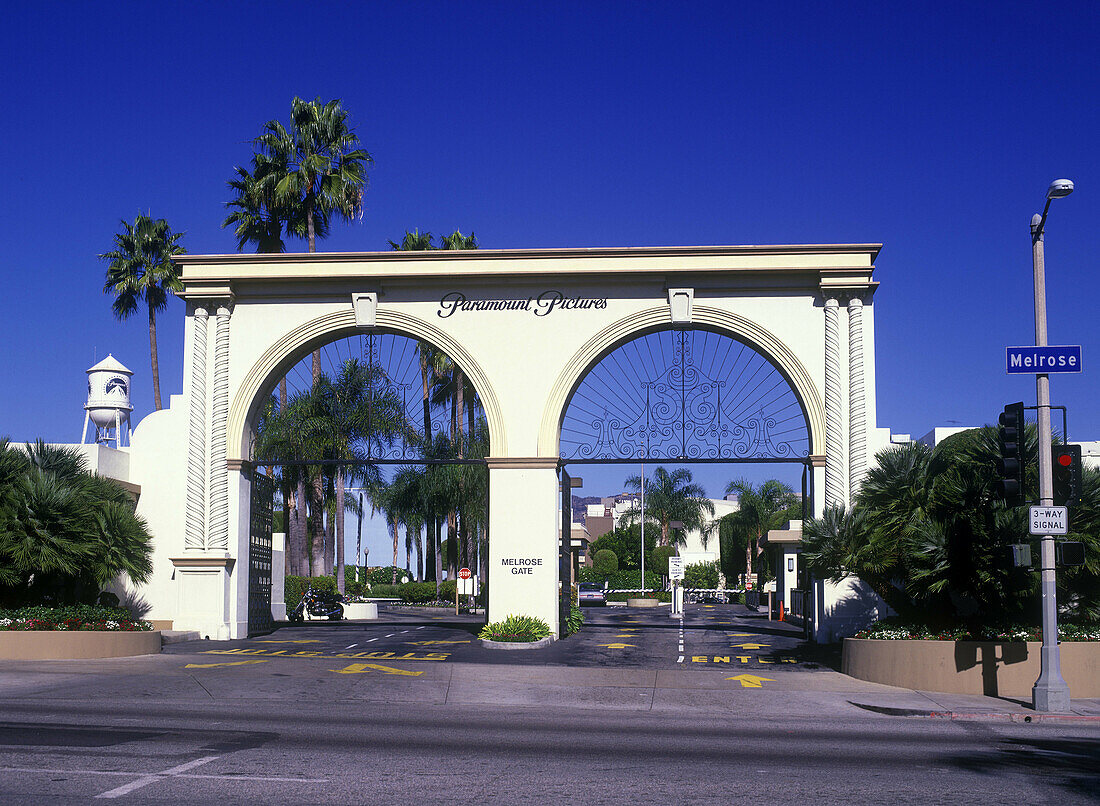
{"x": 1050, "y": 692}
{"x": 643, "y": 527}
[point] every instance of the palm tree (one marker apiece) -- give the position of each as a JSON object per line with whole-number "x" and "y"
{"x": 325, "y": 165}
{"x": 64, "y": 532}
{"x": 358, "y": 407}
{"x": 761, "y": 509}
{"x": 140, "y": 268}
{"x": 257, "y": 216}
{"x": 673, "y": 497}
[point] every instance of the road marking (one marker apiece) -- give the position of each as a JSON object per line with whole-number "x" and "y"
{"x": 130, "y": 773}
{"x": 431, "y": 643}
{"x": 374, "y": 655}
{"x": 353, "y": 646}
{"x": 619, "y": 646}
{"x": 363, "y": 668}
{"x": 158, "y": 776}
{"x": 371, "y": 639}
{"x": 751, "y": 680}
{"x": 680, "y": 659}
{"x": 300, "y": 641}
{"x": 740, "y": 635}
{"x": 212, "y": 665}
{"x": 752, "y": 646}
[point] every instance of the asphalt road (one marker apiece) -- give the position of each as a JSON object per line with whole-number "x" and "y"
{"x": 63, "y": 752}
{"x": 412, "y": 709}
{"x": 714, "y": 636}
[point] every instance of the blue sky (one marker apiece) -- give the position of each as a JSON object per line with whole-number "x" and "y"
{"x": 933, "y": 128}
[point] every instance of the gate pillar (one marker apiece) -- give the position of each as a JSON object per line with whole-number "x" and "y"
{"x": 523, "y": 538}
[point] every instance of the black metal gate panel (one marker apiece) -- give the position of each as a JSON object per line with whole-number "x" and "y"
{"x": 259, "y": 555}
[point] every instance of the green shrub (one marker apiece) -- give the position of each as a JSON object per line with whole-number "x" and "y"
{"x": 701, "y": 575}
{"x": 381, "y": 591}
{"x": 605, "y": 561}
{"x": 417, "y": 592}
{"x": 623, "y": 580}
{"x": 447, "y": 590}
{"x": 575, "y": 620}
{"x": 384, "y": 575}
{"x": 71, "y": 617}
{"x": 658, "y": 559}
{"x": 590, "y": 576}
{"x": 516, "y": 629}
{"x": 295, "y": 586}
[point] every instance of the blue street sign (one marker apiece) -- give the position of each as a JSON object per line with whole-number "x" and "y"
{"x": 1043, "y": 360}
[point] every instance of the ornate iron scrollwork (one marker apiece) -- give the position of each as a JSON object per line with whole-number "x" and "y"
{"x": 683, "y": 395}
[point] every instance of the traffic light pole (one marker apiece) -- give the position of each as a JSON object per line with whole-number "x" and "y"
{"x": 1050, "y": 692}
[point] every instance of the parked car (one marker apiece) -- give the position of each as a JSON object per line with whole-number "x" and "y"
{"x": 590, "y": 594}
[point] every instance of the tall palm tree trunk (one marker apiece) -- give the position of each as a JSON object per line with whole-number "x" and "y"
{"x": 153, "y": 358}
{"x": 419, "y": 556}
{"x": 340, "y": 529}
{"x": 392, "y": 523}
{"x": 317, "y": 524}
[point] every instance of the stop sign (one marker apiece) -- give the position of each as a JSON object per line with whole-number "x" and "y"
{"x": 464, "y": 573}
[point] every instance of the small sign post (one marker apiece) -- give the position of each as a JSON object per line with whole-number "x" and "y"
{"x": 1048, "y": 520}
{"x": 464, "y": 574}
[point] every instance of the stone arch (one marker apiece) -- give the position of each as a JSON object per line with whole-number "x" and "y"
{"x": 281, "y": 355}
{"x": 764, "y": 341}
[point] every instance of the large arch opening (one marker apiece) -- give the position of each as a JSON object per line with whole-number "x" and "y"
{"x": 371, "y": 441}
{"x": 672, "y": 409}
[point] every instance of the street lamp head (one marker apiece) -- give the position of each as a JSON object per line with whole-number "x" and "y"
{"x": 1059, "y": 188}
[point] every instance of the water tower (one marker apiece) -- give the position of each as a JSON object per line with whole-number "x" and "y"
{"x": 108, "y": 403}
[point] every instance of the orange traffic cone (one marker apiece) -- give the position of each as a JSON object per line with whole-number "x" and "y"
{"x": 781, "y": 611}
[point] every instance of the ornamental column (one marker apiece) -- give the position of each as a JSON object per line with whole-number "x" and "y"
{"x": 195, "y": 512}
{"x": 218, "y": 537}
{"x": 857, "y": 408}
{"x": 834, "y": 411}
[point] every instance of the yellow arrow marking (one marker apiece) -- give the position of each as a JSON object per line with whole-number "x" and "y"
{"x": 752, "y": 646}
{"x": 619, "y": 646}
{"x": 740, "y": 635}
{"x": 626, "y": 636}
{"x": 362, "y": 668}
{"x": 211, "y": 665}
{"x": 300, "y": 641}
{"x": 430, "y": 643}
{"x": 750, "y": 680}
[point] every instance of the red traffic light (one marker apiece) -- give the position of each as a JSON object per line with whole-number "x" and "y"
{"x": 1065, "y": 459}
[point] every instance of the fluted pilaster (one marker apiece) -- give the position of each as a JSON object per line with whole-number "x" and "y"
{"x": 834, "y": 412}
{"x": 195, "y": 526}
{"x": 857, "y": 408}
{"x": 219, "y": 475}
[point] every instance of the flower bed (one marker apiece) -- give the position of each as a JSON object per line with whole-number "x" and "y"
{"x": 894, "y": 630}
{"x": 86, "y": 618}
{"x": 74, "y": 633}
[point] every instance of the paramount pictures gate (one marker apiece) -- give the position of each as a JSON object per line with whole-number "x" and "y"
{"x": 526, "y": 327}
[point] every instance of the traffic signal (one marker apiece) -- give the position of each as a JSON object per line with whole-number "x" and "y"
{"x": 1066, "y": 461}
{"x": 1010, "y": 466}
{"x": 1070, "y": 553}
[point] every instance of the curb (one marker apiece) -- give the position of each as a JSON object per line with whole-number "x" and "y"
{"x": 542, "y": 642}
{"x": 980, "y": 716}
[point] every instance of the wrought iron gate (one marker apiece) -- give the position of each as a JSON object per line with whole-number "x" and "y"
{"x": 259, "y": 555}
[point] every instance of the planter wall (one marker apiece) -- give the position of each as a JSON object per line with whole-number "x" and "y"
{"x": 360, "y": 610}
{"x": 76, "y": 644}
{"x": 995, "y": 669}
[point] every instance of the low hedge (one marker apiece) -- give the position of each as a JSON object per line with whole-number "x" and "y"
{"x": 892, "y": 629}
{"x": 72, "y": 617}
